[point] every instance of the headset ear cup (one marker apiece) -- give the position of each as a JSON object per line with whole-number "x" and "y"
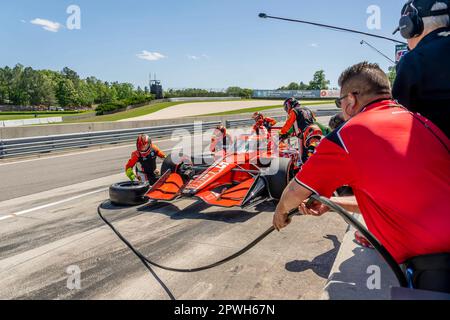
{"x": 407, "y": 27}
{"x": 419, "y": 26}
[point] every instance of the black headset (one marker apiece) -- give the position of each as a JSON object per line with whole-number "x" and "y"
{"x": 411, "y": 23}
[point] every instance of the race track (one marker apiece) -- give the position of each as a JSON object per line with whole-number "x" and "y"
{"x": 203, "y": 108}
{"x": 49, "y": 223}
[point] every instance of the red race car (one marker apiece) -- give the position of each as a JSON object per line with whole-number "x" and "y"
{"x": 256, "y": 169}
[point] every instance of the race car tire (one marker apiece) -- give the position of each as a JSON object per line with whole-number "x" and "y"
{"x": 168, "y": 164}
{"x": 128, "y": 193}
{"x": 283, "y": 174}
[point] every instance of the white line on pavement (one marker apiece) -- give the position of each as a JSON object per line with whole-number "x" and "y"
{"x": 12, "y": 215}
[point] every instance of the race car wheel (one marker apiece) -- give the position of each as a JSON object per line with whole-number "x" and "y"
{"x": 169, "y": 164}
{"x": 284, "y": 172}
{"x": 128, "y": 193}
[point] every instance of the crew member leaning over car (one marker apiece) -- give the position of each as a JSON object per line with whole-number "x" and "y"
{"x": 398, "y": 165}
{"x": 144, "y": 158}
{"x": 262, "y": 122}
{"x": 302, "y": 122}
{"x": 221, "y": 141}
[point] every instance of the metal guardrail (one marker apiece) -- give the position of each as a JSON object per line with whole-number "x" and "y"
{"x": 36, "y": 145}
{"x": 248, "y": 122}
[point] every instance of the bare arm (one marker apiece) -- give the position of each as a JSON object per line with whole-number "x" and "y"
{"x": 348, "y": 203}
{"x": 292, "y": 197}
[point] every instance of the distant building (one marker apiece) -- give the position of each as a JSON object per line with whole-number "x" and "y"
{"x": 156, "y": 89}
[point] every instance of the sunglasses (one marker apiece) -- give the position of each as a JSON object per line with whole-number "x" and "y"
{"x": 338, "y": 101}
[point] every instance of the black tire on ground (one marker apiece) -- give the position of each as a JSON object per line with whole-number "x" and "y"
{"x": 128, "y": 193}
{"x": 283, "y": 174}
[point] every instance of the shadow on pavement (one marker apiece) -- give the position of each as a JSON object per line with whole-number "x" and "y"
{"x": 197, "y": 209}
{"x": 320, "y": 265}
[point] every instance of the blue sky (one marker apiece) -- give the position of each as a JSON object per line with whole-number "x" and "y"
{"x": 204, "y": 43}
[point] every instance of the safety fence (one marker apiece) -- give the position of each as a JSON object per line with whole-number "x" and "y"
{"x": 36, "y": 145}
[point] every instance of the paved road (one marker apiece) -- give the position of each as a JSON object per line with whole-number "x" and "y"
{"x": 201, "y": 108}
{"x": 48, "y": 223}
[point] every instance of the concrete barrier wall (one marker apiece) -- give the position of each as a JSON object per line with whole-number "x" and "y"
{"x": 29, "y": 122}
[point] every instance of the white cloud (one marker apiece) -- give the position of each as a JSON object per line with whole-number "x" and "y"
{"x": 150, "y": 56}
{"x": 314, "y": 45}
{"x": 23, "y": 21}
{"x": 193, "y": 57}
{"x": 47, "y": 24}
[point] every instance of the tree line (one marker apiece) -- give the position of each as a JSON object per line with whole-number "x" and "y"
{"x": 24, "y": 86}
{"x": 319, "y": 82}
{"x": 194, "y": 92}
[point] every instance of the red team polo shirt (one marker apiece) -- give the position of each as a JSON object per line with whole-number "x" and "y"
{"x": 399, "y": 169}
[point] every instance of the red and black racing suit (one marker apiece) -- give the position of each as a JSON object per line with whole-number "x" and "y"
{"x": 146, "y": 163}
{"x": 302, "y": 121}
{"x": 266, "y": 122}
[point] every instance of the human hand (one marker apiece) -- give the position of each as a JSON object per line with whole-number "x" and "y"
{"x": 281, "y": 220}
{"x": 314, "y": 209}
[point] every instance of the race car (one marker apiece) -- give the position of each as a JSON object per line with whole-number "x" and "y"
{"x": 255, "y": 170}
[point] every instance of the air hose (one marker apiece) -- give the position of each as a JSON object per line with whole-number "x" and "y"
{"x": 341, "y": 211}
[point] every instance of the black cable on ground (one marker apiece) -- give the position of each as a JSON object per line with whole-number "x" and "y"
{"x": 209, "y": 266}
{"x": 341, "y": 211}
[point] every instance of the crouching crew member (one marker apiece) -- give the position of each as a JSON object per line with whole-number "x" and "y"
{"x": 144, "y": 158}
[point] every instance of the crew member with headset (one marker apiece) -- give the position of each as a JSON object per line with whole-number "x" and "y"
{"x": 302, "y": 122}
{"x": 423, "y": 75}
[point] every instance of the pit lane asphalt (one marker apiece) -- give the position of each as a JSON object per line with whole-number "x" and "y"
{"x": 42, "y": 237}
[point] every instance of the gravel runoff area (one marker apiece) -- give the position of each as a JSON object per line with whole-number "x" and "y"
{"x": 202, "y": 108}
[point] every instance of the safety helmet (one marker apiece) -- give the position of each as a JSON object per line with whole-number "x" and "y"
{"x": 143, "y": 143}
{"x": 336, "y": 121}
{"x": 290, "y": 103}
{"x": 220, "y": 130}
{"x": 257, "y": 116}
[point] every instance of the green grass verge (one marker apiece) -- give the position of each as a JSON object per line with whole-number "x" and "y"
{"x": 137, "y": 112}
{"x": 259, "y": 109}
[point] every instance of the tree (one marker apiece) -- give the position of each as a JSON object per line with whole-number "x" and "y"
{"x": 239, "y": 92}
{"x": 392, "y": 74}
{"x": 66, "y": 93}
{"x": 319, "y": 81}
{"x": 26, "y": 86}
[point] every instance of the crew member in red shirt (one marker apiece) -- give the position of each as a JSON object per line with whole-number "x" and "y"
{"x": 397, "y": 164}
{"x": 144, "y": 158}
{"x": 302, "y": 122}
